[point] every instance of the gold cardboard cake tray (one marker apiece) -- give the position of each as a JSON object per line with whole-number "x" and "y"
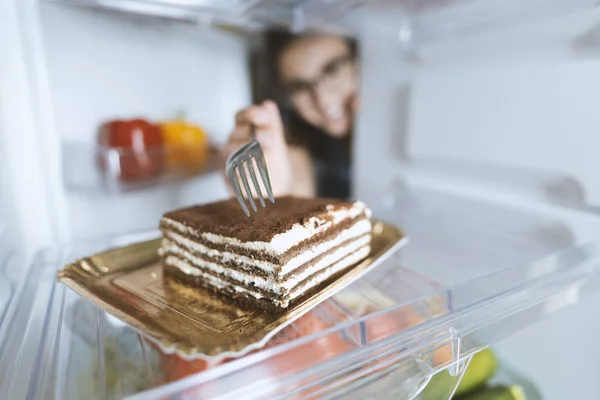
{"x": 128, "y": 283}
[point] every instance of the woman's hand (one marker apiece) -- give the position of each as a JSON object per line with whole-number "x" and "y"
{"x": 269, "y": 133}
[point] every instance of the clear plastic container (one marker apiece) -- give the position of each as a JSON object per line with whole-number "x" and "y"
{"x": 473, "y": 272}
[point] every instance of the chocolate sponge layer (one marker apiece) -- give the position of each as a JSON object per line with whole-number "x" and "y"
{"x": 226, "y": 218}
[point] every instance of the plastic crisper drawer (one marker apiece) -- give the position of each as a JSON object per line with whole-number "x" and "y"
{"x": 473, "y": 273}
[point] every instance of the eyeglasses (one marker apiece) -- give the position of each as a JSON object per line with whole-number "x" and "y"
{"x": 334, "y": 76}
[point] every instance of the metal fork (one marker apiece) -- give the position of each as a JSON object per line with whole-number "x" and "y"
{"x": 236, "y": 161}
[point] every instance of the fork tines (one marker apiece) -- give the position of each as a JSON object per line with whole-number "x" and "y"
{"x": 239, "y": 165}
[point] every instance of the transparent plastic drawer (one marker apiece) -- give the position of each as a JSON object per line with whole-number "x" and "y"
{"x": 473, "y": 272}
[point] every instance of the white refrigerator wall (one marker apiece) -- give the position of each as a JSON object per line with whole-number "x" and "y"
{"x": 103, "y": 66}
{"x": 519, "y": 106}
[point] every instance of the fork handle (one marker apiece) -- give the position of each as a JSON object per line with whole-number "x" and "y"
{"x": 252, "y": 131}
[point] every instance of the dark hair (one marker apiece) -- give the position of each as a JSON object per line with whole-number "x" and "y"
{"x": 266, "y": 84}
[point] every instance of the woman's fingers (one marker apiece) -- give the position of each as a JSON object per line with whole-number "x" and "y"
{"x": 240, "y": 133}
{"x": 271, "y": 107}
{"x": 269, "y": 131}
{"x": 266, "y": 120}
{"x": 273, "y": 135}
{"x": 257, "y": 115}
{"x": 266, "y": 115}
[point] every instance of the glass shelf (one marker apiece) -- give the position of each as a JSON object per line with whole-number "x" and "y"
{"x": 100, "y": 169}
{"x": 411, "y": 21}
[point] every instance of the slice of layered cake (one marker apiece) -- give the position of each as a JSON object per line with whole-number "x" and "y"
{"x": 270, "y": 259}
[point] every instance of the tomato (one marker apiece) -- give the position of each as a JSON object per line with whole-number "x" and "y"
{"x": 387, "y": 325}
{"x": 175, "y": 367}
{"x": 131, "y": 150}
{"x": 310, "y": 354}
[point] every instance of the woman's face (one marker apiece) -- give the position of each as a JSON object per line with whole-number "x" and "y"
{"x": 319, "y": 73}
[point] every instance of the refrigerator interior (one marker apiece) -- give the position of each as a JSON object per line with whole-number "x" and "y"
{"x": 117, "y": 59}
{"x": 453, "y": 109}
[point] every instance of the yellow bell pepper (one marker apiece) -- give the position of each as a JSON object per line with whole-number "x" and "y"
{"x": 186, "y": 145}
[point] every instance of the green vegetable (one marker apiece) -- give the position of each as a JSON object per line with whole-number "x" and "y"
{"x": 496, "y": 393}
{"x": 439, "y": 387}
{"x": 482, "y": 367}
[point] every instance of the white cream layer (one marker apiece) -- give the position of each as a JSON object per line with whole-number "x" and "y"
{"x": 284, "y": 241}
{"x": 360, "y": 228}
{"x": 299, "y": 290}
{"x": 330, "y": 271}
{"x": 268, "y": 284}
